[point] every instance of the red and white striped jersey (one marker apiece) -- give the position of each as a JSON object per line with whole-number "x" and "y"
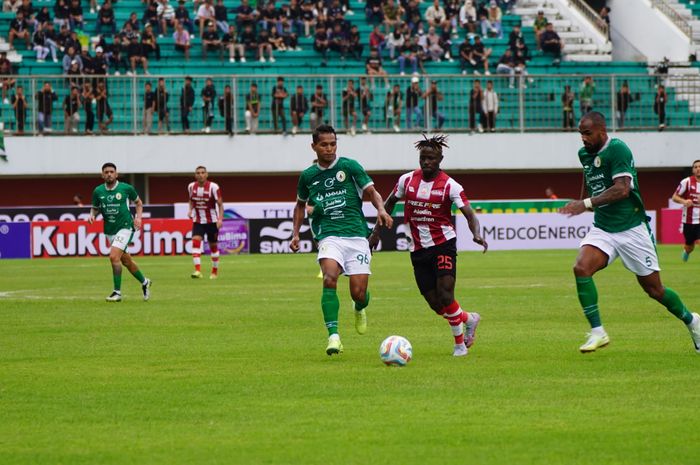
{"x": 203, "y": 201}
{"x": 688, "y": 189}
{"x": 428, "y": 207}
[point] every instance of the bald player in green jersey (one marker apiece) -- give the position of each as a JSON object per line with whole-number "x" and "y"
{"x": 111, "y": 199}
{"x": 620, "y": 228}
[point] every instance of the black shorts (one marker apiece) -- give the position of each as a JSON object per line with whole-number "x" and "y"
{"x": 208, "y": 229}
{"x": 431, "y": 263}
{"x": 691, "y": 232}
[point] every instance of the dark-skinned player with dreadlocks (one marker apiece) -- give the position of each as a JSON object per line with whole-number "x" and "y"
{"x": 429, "y": 193}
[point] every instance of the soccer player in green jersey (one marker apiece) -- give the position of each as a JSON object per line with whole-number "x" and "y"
{"x": 111, "y": 199}
{"x": 335, "y": 187}
{"x": 620, "y": 228}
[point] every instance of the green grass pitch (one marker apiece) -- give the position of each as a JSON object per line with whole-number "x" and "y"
{"x": 234, "y": 371}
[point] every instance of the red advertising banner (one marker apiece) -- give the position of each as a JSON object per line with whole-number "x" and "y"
{"x": 671, "y": 231}
{"x": 80, "y": 239}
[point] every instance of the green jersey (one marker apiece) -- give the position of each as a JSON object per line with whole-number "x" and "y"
{"x": 600, "y": 170}
{"x": 336, "y": 195}
{"x": 114, "y": 205}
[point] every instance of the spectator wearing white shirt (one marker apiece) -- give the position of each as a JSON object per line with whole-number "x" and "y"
{"x": 166, "y": 16}
{"x": 394, "y": 42}
{"x": 205, "y": 13}
{"x": 467, "y": 16}
{"x": 491, "y": 24}
{"x": 489, "y": 104}
{"x": 435, "y": 15}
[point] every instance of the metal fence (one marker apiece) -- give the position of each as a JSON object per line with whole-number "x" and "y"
{"x": 525, "y": 103}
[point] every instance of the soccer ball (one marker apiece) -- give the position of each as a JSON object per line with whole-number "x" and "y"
{"x": 395, "y": 351}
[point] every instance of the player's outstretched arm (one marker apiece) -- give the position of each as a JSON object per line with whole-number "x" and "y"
{"x": 297, "y": 219}
{"x": 474, "y": 226}
{"x": 619, "y": 190}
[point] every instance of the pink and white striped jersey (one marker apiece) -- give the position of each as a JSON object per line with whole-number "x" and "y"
{"x": 203, "y": 201}
{"x": 688, "y": 189}
{"x": 428, "y": 207}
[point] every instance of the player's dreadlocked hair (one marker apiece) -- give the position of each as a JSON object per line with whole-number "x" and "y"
{"x": 437, "y": 142}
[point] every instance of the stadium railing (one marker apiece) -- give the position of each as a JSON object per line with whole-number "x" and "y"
{"x": 533, "y": 103}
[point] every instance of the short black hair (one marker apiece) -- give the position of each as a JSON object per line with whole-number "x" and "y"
{"x": 109, "y": 164}
{"x": 252, "y": 84}
{"x": 319, "y": 86}
{"x": 200, "y": 167}
{"x": 596, "y": 117}
{"x": 437, "y": 143}
{"x": 323, "y": 129}
{"x": 188, "y": 78}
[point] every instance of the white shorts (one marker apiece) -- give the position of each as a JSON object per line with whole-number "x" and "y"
{"x": 635, "y": 247}
{"x": 351, "y": 253}
{"x": 122, "y": 239}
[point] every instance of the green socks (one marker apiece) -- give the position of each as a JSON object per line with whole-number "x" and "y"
{"x": 588, "y": 296}
{"x": 117, "y": 277}
{"x": 138, "y": 275}
{"x": 330, "y": 306}
{"x": 361, "y": 305}
{"x": 673, "y": 304}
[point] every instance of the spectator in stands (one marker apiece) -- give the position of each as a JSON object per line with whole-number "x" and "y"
{"x": 465, "y": 54}
{"x": 605, "y": 19}
{"x": 205, "y": 14}
{"x": 291, "y": 17}
{"x": 161, "y": 106}
{"x": 519, "y": 49}
{"x": 279, "y": 94}
{"x": 45, "y": 99}
{"x": 150, "y": 16}
{"x": 186, "y": 103}
{"x": 489, "y": 105}
{"x": 74, "y": 41}
{"x": 88, "y": 101}
{"x": 539, "y": 25}
{"x": 551, "y": 43}
{"x": 392, "y": 15}
{"x": 299, "y": 106}
{"x": 11, "y": 6}
{"x": 308, "y": 17}
{"x": 322, "y": 44}
{"x": 366, "y": 98}
{"x": 133, "y": 24}
{"x": 137, "y": 56}
{"x": 549, "y": 194}
{"x": 104, "y": 110}
{"x": 432, "y": 98}
{"x": 43, "y": 17}
{"x": 7, "y": 82}
{"x": 413, "y": 17}
{"x": 245, "y": 15}
{"x": 71, "y": 110}
{"x": 88, "y": 63}
{"x": 249, "y": 41}
{"x": 660, "y": 101}
{"x": 149, "y": 43}
{"x": 226, "y": 109}
{"x": 182, "y": 16}
{"x": 270, "y": 18}
{"x": 394, "y": 42}
{"x": 585, "y": 95}
{"x": 29, "y": 13}
{"x": 19, "y": 106}
{"x": 208, "y": 99}
{"x": 230, "y": 42}
{"x": 392, "y": 108}
{"x": 433, "y": 45}
{"x": 491, "y": 23}
{"x": 506, "y": 65}
{"x": 211, "y": 41}
{"x": 276, "y": 40}
{"x": 435, "y": 16}
{"x": 319, "y": 103}
{"x": 76, "y": 15}
{"x": 476, "y": 109}
{"x": 377, "y": 39}
{"x": 75, "y": 76}
{"x": 78, "y": 200}
{"x": 51, "y": 39}
{"x": 41, "y": 47}
{"x": 567, "y": 104}
{"x": 467, "y": 16}
{"x": 413, "y": 97}
{"x": 115, "y": 53}
{"x": 354, "y": 43}
{"x": 339, "y": 40}
{"x": 149, "y": 107}
{"x": 61, "y": 13}
{"x": 410, "y": 53}
{"x": 221, "y": 16}
{"x": 182, "y": 40}
{"x": 63, "y": 37}
{"x": 19, "y": 29}
{"x": 349, "y": 96}
{"x": 252, "y": 112}
{"x": 264, "y": 45}
{"x": 166, "y": 17}
{"x": 623, "y": 101}
{"x": 480, "y": 55}
{"x": 374, "y": 12}
{"x": 373, "y": 66}
{"x": 105, "y": 19}
{"x": 291, "y": 38}
{"x": 68, "y": 58}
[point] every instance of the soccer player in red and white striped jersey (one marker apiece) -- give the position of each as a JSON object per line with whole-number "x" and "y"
{"x": 688, "y": 195}
{"x": 429, "y": 193}
{"x": 207, "y": 212}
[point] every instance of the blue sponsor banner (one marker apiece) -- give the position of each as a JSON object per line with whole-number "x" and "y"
{"x": 15, "y": 240}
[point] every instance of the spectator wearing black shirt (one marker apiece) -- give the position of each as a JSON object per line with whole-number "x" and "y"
{"x": 8, "y": 81}
{"x": 414, "y": 95}
{"x": 133, "y": 23}
{"x": 230, "y": 41}
{"x": 221, "y": 16}
{"x": 264, "y": 44}
{"x": 245, "y": 15}
{"x": 149, "y": 107}
{"x": 308, "y": 17}
{"x": 349, "y": 96}
{"x": 105, "y": 19}
{"x": 149, "y": 43}
{"x": 374, "y": 11}
{"x": 409, "y": 53}
{"x": 19, "y": 29}
{"x": 623, "y": 101}
{"x": 208, "y": 99}
{"x": 88, "y": 100}
{"x": 249, "y": 41}
{"x": 567, "y": 104}
{"x": 550, "y": 41}
{"x": 71, "y": 110}
{"x": 476, "y": 97}
{"x": 226, "y": 109}
{"x": 73, "y": 41}
{"x": 339, "y": 40}
{"x": 319, "y": 102}
{"x": 61, "y": 13}
{"x": 279, "y": 94}
{"x": 137, "y": 56}
{"x": 45, "y": 99}
{"x": 392, "y": 108}
{"x": 270, "y": 18}
{"x": 465, "y": 54}
{"x": 182, "y": 16}
{"x": 660, "y": 101}
{"x": 42, "y": 47}
{"x": 321, "y": 44}
{"x": 43, "y": 17}
{"x": 354, "y": 45}
{"x": 51, "y": 39}
{"x": 366, "y": 98}
{"x": 186, "y": 103}
{"x": 480, "y": 55}
{"x": 211, "y": 41}
{"x": 19, "y": 106}
{"x": 104, "y": 110}
{"x": 161, "y": 106}
{"x": 150, "y": 16}
{"x": 99, "y": 63}
{"x": 252, "y": 109}
{"x": 76, "y": 15}
{"x": 299, "y": 106}
{"x": 432, "y": 98}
